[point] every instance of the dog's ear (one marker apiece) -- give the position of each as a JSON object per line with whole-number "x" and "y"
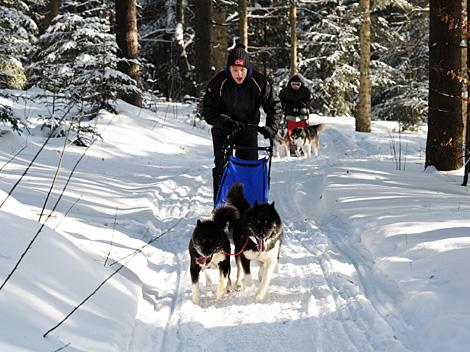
{"x": 198, "y": 222}
{"x": 256, "y": 204}
{"x": 272, "y": 205}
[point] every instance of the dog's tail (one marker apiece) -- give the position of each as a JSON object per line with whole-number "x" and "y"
{"x": 226, "y": 214}
{"x": 236, "y": 197}
{"x": 320, "y": 127}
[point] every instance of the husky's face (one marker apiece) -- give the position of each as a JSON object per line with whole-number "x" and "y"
{"x": 298, "y": 136}
{"x": 263, "y": 224}
{"x": 207, "y": 240}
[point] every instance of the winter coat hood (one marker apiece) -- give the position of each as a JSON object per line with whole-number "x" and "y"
{"x": 295, "y": 102}
{"x": 298, "y": 78}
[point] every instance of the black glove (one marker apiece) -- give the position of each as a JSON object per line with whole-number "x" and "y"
{"x": 266, "y": 131}
{"x": 231, "y": 126}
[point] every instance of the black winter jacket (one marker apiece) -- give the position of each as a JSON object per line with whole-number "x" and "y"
{"x": 241, "y": 102}
{"x": 295, "y": 103}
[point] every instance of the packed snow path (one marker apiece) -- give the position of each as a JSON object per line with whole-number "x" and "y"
{"x": 316, "y": 301}
{"x": 153, "y": 177}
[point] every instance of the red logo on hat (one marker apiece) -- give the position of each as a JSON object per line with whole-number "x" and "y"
{"x": 239, "y": 62}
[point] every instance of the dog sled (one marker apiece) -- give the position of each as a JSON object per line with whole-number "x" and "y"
{"x": 255, "y": 175}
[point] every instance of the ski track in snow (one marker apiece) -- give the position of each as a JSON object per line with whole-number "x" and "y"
{"x": 316, "y": 288}
{"x": 318, "y": 299}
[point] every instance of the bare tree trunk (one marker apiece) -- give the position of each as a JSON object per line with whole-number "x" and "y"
{"x": 293, "y": 38}
{"x": 363, "y": 118}
{"x": 243, "y": 22}
{"x": 180, "y": 11}
{"x": 445, "y": 117}
{"x": 219, "y": 35}
{"x": 126, "y": 38}
{"x": 203, "y": 12}
{"x": 467, "y": 112}
{"x": 211, "y": 39}
{"x": 52, "y": 10}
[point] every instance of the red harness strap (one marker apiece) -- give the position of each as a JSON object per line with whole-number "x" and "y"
{"x": 241, "y": 250}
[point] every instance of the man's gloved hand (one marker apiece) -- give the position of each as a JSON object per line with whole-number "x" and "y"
{"x": 230, "y": 125}
{"x": 266, "y": 131}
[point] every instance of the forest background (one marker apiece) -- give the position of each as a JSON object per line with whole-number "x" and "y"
{"x": 400, "y": 60}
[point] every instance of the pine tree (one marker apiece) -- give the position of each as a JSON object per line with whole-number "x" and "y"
{"x": 162, "y": 39}
{"x": 400, "y": 69}
{"x": 329, "y": 57}
{"x": 78, "y": 61}
{"x": 18, "y": 31}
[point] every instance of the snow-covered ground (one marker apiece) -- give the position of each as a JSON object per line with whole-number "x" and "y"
{"x": 374, "y": 258}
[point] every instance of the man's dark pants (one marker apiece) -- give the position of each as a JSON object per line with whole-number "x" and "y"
{"x": 247, "y": 137}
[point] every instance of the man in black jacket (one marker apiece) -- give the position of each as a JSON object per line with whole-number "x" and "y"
{"x": 232, "y": 102}
{"x": 295, "y": 99}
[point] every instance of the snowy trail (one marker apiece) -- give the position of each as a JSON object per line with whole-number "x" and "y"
{"x": 316, "y": 300}
{"x": 373, "y": 257}
{"x": 350, "y": 321}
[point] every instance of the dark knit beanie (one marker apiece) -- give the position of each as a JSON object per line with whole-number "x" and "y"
{"x": 238, "y": 57}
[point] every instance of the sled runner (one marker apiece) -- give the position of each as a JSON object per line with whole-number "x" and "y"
{"x": 253, "y": 174}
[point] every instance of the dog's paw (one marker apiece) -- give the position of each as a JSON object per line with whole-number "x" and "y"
{"x": 196, "y": 300}
{"x": 238, "y": 286}
{"x": 260, "y": 295}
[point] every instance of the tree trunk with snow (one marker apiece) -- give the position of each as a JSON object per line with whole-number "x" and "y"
{"x": 363, "y": 115}
{"x": 183, "y": 60}
{"x": 293, "y": 38}
{"x": 445, "y": 116}
{"x": 126, "y": 38}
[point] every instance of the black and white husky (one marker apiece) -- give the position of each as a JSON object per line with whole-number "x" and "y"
{"x": 258, "y": 236}
{"x": 307, "y": 140}
{"x": 208, "y": 247}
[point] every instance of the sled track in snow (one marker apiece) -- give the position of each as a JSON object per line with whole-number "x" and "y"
{"x": 378, "y": 302}
{"x": 168, "y": 343}
{"x": 353, "y": 318}
{"x": 330, "y": 297}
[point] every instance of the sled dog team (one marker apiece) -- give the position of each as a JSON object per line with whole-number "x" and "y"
{"x": 303, "y": 140}
{"x": 256, "y": 232}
